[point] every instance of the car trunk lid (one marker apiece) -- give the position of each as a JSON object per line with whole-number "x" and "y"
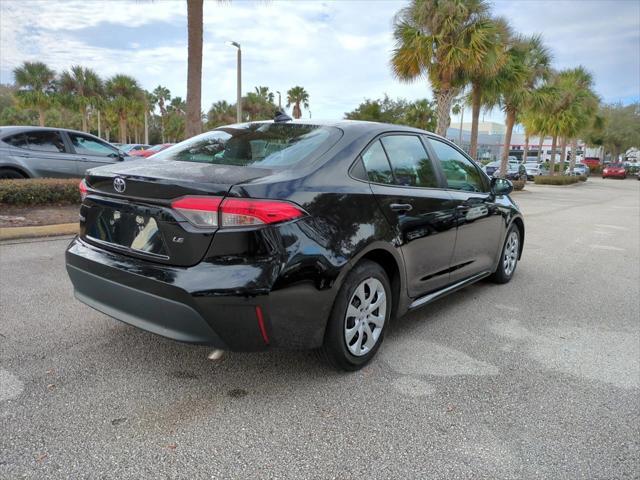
{"x": 128, "y": 209}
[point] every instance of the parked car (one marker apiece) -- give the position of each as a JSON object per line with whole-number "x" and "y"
{"x": 578, "y": 169}
{"x": 33, "y": 152}
{"x": 614, "y": 170}
{"x": 533, "y": 169}
{"x": 290, "y": 235}
{"x": 133, "y": 147}
{"x": 151, "y": 150}
{"x": 515, "y": 170}
{"x": 591, "y": 162}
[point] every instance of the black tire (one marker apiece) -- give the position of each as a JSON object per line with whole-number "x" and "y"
{"x": 8, "y": 173}
{"x": 335, "y": 349}
{"x": 503, "y": 273}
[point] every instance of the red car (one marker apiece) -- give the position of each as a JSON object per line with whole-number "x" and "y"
{"x": 615, "y": 170}
{"x": 150, "y": 151}
{"x": 591, "y": 162}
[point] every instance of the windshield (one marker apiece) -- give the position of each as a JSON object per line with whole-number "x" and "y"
{"x": 268, "y": 145}
{"x": 616, "y": 165}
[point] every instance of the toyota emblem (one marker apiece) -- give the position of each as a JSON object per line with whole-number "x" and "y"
{"x": 119, "y": 185}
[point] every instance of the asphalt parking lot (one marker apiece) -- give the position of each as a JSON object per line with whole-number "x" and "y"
{"x": 539, "y": 378}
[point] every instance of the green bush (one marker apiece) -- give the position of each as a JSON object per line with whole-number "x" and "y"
{"x": 39, "y": 191}
{"x": 596, "y": 169}
{"x": 583, "y": 178}
{"x": 557, "y": 180}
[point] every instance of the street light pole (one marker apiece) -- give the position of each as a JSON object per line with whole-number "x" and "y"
{"x": 279, "y": 101}
{"x": 239, "y": 81}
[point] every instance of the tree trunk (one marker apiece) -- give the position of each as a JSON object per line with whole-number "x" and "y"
{"x": 475, "y": 118}
{"x": 107, "y": 134}
{"x": 511, "y": 121}
{"x": 41, "y": 116}
{"x": 540, "y": 146}
{"x": 525, "y": 151}
{"x": 444, "y": 99}
{"x": 162, "y": 127}
{"x": 460, "y": 131}
{"x": 552, "y": 161}
{"x": 297, "y": 111}
{"x": 99, "y": 130}
{"x": 574, "y": 156}
{"x": 83, "y": 114}
{"x": 146, "y": 128}
{"x": 194, "y": 67}
{"x": 123, "y": 129}
{"x": 563, "y": 154}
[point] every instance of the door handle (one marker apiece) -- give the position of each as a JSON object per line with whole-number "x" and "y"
{"x": 401, "y": 207}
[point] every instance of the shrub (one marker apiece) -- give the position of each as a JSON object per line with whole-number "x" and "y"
{"x": 596, "y": 169}
{"x": 556, "y": 180}
{"x": 518, "y": 184}
{"x": 39, "y": 191}
{"x": 583, "y": 178}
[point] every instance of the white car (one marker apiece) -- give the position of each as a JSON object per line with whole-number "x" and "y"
{"x": 578, "y": 169}
{"x": 534, "y": 169}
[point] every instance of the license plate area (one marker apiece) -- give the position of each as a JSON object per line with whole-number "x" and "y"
{"x": 130, "y": 230}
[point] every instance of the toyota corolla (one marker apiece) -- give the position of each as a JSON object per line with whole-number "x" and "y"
{"x": 300, "y": 235}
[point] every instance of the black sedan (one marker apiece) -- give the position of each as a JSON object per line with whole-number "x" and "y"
{"x": 290, "y": 234}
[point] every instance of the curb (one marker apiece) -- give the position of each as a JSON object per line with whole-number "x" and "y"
{"x": 12, "y": 233}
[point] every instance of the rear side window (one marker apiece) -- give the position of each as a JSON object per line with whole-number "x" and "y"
{"x": 376, "y": 164}
{"x": 45, "y": 142}
{"x": 268, "y": 145}
{"x": 19, "y": 140}
{"x": 409, "y": 160}
{"x": 460, "y": 172}
{"x": 85, "y": 145}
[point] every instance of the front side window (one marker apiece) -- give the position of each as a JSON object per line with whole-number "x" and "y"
{"x": 460, "y": 172}
{"x": 409, "y": 160}
{"x": 45, "y": 141}
{"x": 84, "y": 145}
{"x": 376, "y": 164}
{"x": 267, "y": 145}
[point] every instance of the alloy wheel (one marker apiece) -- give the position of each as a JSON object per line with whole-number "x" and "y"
{"x": 364, "y": 320}
{"x": 511, "y": 251}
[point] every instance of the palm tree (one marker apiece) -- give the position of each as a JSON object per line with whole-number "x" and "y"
{"x": 194, "y": 67}
{"x": 482, "y": 72}
{"x": 83, "y": 87}
{"x": 518, "y": 85}
{"x": 295, "y": 97}
{"x": 124, "y": 95}
{"x": 36, "y": 82}
{"x": 575, "y": 105}
{"x": 162, "y": 95}
{"x": 439, "y": 39}
{"x": 221, "y": 113}
{"x": 265, "y": 94}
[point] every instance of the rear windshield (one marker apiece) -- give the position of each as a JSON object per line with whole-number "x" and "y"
{"x": 616, "y": 165}
{"x": 268, "y": 145}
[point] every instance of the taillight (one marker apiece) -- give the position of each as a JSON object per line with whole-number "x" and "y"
{"x": 235, "y": 212}
{"x": 82, "y": 186}
{"x": 239, "y": 212}
{"x": 200, "y": 211}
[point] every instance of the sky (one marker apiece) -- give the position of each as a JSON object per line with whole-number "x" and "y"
{"x": 337, "y": 50}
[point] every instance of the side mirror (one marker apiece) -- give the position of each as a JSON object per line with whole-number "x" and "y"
{"x": 501, "y": 186}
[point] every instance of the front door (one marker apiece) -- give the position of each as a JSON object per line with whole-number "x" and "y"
{"x": 404, "y": 183}
{"x": 91, "y": 152}
{"x": 479, "y": 220}
{"x": 46, "y": 154}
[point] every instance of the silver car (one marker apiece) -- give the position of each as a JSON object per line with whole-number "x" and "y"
{"x": 579, "y": 169}
{"x": 36, "y": 152}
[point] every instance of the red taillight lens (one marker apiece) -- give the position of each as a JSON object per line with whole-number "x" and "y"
{"x": 238, "y": 212}
{"x": 200, "y": 211}
{"x": 234, "y": 212}
{"x": 82, "y": 186}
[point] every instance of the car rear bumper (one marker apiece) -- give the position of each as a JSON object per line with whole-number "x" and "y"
{"x": 202, "y": 304}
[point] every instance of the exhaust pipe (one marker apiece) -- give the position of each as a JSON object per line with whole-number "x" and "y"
{"x": 215, "y": 355}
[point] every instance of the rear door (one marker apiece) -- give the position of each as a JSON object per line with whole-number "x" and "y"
{"x": 47, "y": 154}
{"x": 479, "y": 220}
{"x": 90, "y": 152}
{"x": 407, "y": 188}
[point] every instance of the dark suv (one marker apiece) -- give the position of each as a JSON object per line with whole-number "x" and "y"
{"x": 290, "y": 234}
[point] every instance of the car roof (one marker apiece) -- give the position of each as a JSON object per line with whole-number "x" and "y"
{"x": 351, "y": 125}
{"x": 8, "y": 129}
